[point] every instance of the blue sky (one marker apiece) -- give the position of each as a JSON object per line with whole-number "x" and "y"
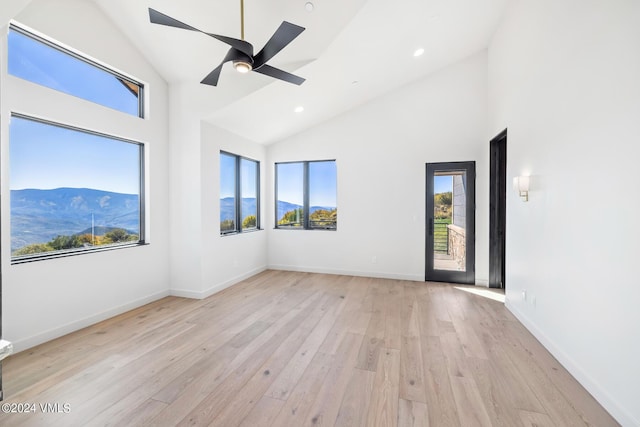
{"x": 227, "y": 176}
{"x": 290, "y": 179}
{"x": 442, "y": 183}
{"x": 39, "y": 63}
{"x": 248, "y": 175}
{"x": 46, "y": 157}
{"x": 322, "y": 183}
{"x": 248, "y": 172}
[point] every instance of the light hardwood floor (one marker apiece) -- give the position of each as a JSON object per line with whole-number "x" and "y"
{"x": 296, "y": 349}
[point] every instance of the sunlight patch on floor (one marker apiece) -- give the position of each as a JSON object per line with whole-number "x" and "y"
{"x": 487, "y": 293}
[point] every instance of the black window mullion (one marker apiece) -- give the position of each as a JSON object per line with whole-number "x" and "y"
{"x": 305, "y": 195}
{"x": 238, "y": 196}
{"x": 141, "y": 101}
{"x": 141, "y": 198}
{"x": 257, "y": 195}
{"x": 275, "y": 210}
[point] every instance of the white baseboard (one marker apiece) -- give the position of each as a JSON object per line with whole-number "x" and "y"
{"x": 375, "y": 274}
{"x": 26, "y": 343}
{"x": 184, "y": 293}
{"x": 621, "y": 415}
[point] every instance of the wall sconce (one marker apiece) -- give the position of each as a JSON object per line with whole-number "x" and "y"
{"x": 521, "y": 186}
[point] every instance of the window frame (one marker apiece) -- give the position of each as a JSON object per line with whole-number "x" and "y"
{"x": 238, "y": 194}
{"x": 305, "y": 196}
{"x": 124, "y": 79}
{"x": 141, "y": 197}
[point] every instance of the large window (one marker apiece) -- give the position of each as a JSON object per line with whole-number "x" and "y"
{"x": 72, "y": 190}
{"x": 306, "y": 195}
{"x": 40, "y": 61}
{"x": 239, "y": 194}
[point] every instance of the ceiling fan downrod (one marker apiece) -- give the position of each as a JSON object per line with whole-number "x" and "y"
{"x": 241, "y": 19}
{"x": 243, "y": 65}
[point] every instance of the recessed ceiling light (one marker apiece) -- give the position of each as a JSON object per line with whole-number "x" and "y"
{"x": 418, "y": 52}
{"x": 299, "y": 109}
{"x": 308, "y": 6}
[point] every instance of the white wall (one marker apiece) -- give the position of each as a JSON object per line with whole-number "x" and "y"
{"x": 230, "y": 258}
{"x": 185, "y": 184}
{"x": 564, "y": 79}
{"x": 381, "y": 150}
{"x": 46, "y": 299}
{"x": 202, "y": 261}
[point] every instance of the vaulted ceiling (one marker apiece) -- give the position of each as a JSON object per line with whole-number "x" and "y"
{"x": 350, "y": 52}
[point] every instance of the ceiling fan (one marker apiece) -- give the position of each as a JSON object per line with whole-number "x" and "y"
{"x": 241, "y": 51}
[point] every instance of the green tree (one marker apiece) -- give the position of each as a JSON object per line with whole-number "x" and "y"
{"x": 293, "y": 217}
{"x": 35, "y": 248}
{"x": 65, "y": 242}
{"x": 250, "y": 222}
{"x": 444, "y": 198}
{"x": 324, "y": 218}
{"x": 227, "y": 225}
{"x": 117, "y": 235}
{"x": 443, "y": 208}
{"x": 86, "y": 238}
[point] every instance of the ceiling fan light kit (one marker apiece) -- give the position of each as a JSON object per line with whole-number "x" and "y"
{"x": 241, "y": 52}
{"x": 242, "y": 67}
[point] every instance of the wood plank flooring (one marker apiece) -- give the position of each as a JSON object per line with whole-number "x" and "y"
{"x": 296, "y": 349}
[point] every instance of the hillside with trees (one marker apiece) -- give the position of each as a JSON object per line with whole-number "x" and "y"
{"x": 319, "y": 218}
{"x": 59, "y": 243}
{"x": 443, "y": 205}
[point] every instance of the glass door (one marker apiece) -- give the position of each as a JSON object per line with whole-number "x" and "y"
{"x": 450, "y": 218}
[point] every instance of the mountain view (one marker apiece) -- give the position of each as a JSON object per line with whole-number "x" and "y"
{"x": 290, "y": 215}
{"x": 284, "y": 207}
{"x": 39, "y": 216}
{"x": 227, "y": 206}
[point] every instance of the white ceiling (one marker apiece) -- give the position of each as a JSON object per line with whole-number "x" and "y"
{"x": 350, "y": 52}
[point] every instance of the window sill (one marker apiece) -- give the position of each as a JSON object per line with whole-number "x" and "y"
{"x": 71, "y": 252}
{"x": 305, "y": 229}
{"x": 235, "y": 233}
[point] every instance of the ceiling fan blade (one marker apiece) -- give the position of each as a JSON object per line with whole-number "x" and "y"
{"x": 213, "y": 76}
{"x": 276, "y": 73}
{"x": 160, "y": 18}
{"x": 284, "y": 35}
{"x": 241, "y": 45}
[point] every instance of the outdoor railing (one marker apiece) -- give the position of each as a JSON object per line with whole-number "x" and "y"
{"x": 440, "y": 238}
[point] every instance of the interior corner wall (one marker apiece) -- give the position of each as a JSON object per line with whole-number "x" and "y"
{"x": 46, "y": 299}
{"x": 186, "y": 206}
{"x": 564, "y": 81}
{"x": 382, "y": 148}
{"x": 231, "y": 258}
{"x": 202, "y": 261}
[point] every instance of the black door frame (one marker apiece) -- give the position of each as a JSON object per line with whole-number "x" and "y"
{"x": 468, "y": 276}
{"x": 497, "y": 210}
